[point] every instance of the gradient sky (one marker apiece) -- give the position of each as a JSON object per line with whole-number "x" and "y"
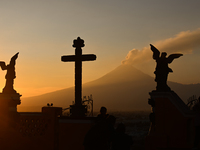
{"x": 43, "y": 30}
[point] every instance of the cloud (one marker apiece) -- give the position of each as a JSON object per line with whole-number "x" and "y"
{"x": 184, "y": 42}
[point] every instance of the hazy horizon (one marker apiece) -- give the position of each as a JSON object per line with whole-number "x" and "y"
{"x": 73, "y": 86}
{"x": 123, "y": 89}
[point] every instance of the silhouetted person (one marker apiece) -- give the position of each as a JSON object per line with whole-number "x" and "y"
{"x": 100, "y": 135}
{"x": 196, "y": 109}
{"x": 102, "y": 115}
{"x": 121, "y": 140}
{"x": 162, "y": 69}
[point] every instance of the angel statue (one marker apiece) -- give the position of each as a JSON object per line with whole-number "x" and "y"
{"x": 10, "y": 75}
{"x": 162, "y": 69}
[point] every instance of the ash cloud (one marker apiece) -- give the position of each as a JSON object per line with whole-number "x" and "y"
{"x": 184, "y": 42}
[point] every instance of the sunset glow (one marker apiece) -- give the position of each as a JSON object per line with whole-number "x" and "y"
{"x": 116, "y": 31}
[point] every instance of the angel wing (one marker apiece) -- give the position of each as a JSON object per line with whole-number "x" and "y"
{"x": 173, "y": 56}
{"x": 15, "y": 56}
{"x": 156, "y": 52}
{"x": 12, "y": 60}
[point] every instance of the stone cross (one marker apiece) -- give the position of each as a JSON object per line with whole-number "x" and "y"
{"x": 78, "y": 58}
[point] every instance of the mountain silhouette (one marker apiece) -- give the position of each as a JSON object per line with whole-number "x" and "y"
{"x": 123, "y": 89}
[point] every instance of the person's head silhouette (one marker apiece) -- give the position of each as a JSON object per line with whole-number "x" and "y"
{"x": 103, "y": 110}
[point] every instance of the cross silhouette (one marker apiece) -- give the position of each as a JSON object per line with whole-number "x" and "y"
{"x": 78, "y": 108}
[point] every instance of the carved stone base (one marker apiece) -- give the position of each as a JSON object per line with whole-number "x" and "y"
{"x": 8, "y": 107}
{"x": 78, "y": 110}
{"x": 11, "y": 100}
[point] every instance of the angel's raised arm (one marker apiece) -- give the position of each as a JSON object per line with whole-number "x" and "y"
{"x": 3, "y": 65}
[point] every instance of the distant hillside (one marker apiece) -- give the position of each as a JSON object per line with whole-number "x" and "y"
{"x": 124, "y": 88}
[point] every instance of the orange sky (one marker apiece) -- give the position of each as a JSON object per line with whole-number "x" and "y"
{"x": 43, "y": 31}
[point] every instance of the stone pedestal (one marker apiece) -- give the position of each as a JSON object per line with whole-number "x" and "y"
{"x": 8, "y": 107}
{"x": 72, "y": 131}
{"x": 172, "y": 122}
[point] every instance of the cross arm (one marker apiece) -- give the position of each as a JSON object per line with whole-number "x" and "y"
{"x": 88, "y": 57}
{"x": 70, "y": 58}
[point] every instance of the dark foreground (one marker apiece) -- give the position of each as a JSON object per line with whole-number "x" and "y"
{"x": 137, "y": 125}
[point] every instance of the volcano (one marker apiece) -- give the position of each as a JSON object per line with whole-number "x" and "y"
{"x": 123, "y": 89}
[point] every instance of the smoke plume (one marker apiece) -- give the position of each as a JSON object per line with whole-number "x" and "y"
{"x": 184, "y": 42}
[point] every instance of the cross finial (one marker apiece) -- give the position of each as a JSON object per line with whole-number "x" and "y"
{"x": 78, "y": 43}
